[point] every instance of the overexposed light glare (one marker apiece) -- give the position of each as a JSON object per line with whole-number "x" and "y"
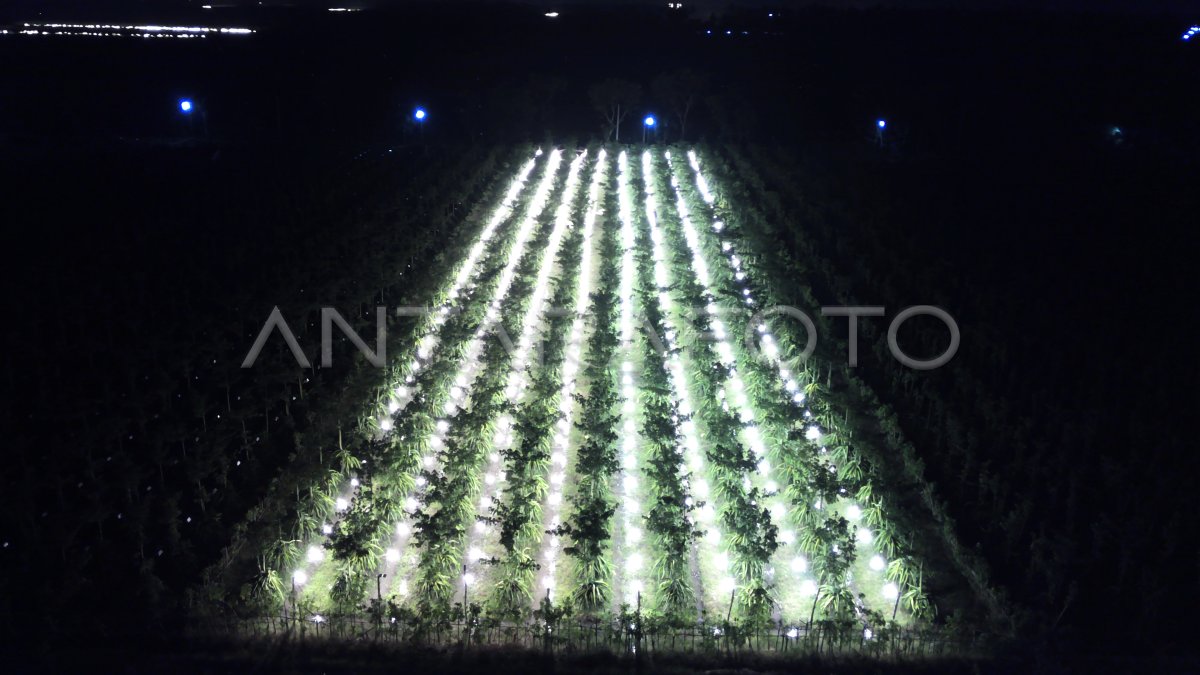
{"x": 808, "y": 588}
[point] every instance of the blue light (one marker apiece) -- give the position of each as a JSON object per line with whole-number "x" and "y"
{"x": 882, "y": 123}
{"x": 419, "y": 114}
{"x": 185, "y": 105}
{"x": 649, "y": 121}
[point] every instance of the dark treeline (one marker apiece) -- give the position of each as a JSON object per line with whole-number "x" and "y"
{"x": 1036, "y": 178}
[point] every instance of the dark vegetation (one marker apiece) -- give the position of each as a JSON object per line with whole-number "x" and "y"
{"x": 144, "y": 256}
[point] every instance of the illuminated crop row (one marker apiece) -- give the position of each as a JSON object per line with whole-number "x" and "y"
{"x": 788, "y": 387}
{"x": 572, "y": 360}
{"x": 702, "y": 441}
{"x": 674, "y": 364}
{"x": 315, "y": 553}
{"x": 482, "y": 535}
{"x": 629, "y": 508}
{"x": 470, "y": 364}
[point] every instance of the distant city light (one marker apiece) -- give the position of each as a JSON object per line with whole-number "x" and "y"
{"x": 185, "y": 105}
{"x": 882, "y": 123}
{"x": 116, "y": 30}
{"x": 649, "y": 121}
{"x": 1190, "y": 32}
{"x": 419, "y": 114}
{"x": 552, "y": 15}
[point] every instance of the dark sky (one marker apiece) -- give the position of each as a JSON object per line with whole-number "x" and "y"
{"x": 1188, "y": 9}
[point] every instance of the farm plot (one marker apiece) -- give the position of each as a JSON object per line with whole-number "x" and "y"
{"x": 599, "y": 415}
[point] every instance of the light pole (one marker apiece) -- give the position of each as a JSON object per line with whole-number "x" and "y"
{"x": 880, "y": 125}
{"x": 189, "y": 109}
{"x": 419, "y": 115}
{"x": 647, "y": 125}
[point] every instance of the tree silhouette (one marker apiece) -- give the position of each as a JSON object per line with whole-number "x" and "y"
{"x": 679, "y": 90}
{"x": 614, "y": 99}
